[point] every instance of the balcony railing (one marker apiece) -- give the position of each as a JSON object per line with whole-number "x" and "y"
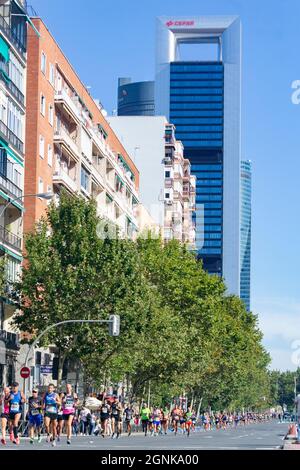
{"x": 60, "y": 176}
{"x": 62, "y": 135}
{"x": 11, "y": 137}
{"x": 62, "y": 95}
{"x": 11, "y": 340}
{"x": 10, "y": 188}
{"x": 4, "y": 75}
{"x": 5, "y": 28}
{"x": 10, "y": 238}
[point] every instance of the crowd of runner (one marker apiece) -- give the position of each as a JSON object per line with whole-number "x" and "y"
{"x": 53, "y": 413}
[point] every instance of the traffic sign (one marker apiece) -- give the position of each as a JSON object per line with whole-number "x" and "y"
{"x": 46, "y": 370}
{"x": 25, "y": 372}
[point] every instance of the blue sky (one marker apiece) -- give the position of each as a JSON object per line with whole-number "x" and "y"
{"x": 105, "y": 40}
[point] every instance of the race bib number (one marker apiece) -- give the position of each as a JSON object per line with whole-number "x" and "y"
{"x": 69, "y": 406}
{"x": 51, "y": 409}
{"x": 176, "y": 418}
{"x": 14, "y": 407}
{"x": 104, "y": 410}
{"x": 35, "y": 412}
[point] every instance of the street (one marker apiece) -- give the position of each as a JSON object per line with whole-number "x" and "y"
{"x": 264, "y": 436}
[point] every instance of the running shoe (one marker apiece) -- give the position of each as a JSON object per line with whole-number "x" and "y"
{"x": 53, "y": 443}
{"x": 31, "y": 441}
{"x": 69, "y": 441}
{"x": 3, "y": 441}
{"x": 11, "y": 437}
{"x": 39, "y": 439}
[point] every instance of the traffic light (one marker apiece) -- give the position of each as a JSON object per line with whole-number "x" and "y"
{"x": 114, "y": 325}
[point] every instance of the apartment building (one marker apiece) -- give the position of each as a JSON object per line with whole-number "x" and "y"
{"x": 167, "y": 189}
{"x": 70, "y": 145}
{"x": 179, "y": 192}
{"x": 13, "y": 58}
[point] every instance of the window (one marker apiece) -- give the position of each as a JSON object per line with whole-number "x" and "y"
{"x": 49, "y": 155}
{"x": 51, "y": 114}
{"x": 167, "y": 174}
{"x": 51, "y": 74}
{"x": 42, "y": 146}
{"x": 14, "y": 121}
{"x": 16, "y": 72}
{"x": 40, "y": 185}
{"x": 43, "y": 105}
{"x": 84, "y": 180}
{"x": 167, "y": 195}
{"x": 17, "y": 178}
{"x": 43, "y": 63}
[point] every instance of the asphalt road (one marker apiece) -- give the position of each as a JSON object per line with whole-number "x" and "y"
{"x": 265, "y": 436}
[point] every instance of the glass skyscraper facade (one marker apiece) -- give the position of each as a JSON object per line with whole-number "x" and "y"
{"x": 135, "y": 98}
{"x": 246, "y": 182}
{"x": 197, "y": 110}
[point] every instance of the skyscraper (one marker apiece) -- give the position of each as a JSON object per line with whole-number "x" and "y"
{"x": 202, "y": 99}
{"x": 246, "y": 177}
{"x": 135, "y": 98}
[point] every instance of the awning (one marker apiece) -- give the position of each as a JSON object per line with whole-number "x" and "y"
{"x": 10, "y": 152}
{"x": 4, "y": 49}
{"x": 119, "y": 179}
{"x": 125, "y": 165}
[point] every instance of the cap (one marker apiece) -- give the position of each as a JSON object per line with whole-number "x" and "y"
{"x": 15, "y": 384}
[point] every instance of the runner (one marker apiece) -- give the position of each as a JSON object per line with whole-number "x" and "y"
{"x": 176, "y": 414}
{"x": 51, "y": 404}
{"x": 4, "y": 402}
{"x": 156, "y": 420}
{"x": 165, "y": 416}
{"x": 188, "y": 420}
{"x": 129, "y": 413}
{"x": 69, "y": 402}
{"x": 104, "y": 415}
{"x": 145, "y": 415}
{"x": 16, "y": 401}
{"x": 116, "y": 418}
{"x": 35, "y": 415}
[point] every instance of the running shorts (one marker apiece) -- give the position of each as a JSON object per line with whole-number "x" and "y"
{"x": 51, "y": 416}
{"x": 36, "y": 420}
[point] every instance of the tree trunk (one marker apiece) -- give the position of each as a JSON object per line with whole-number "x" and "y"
{"x": 61, "y": 360}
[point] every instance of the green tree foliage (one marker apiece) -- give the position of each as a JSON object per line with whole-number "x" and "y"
{"x": 180, "y": 332}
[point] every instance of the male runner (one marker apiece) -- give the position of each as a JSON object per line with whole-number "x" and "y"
{"x": 116, "y": 418}
{"x": 129, "y": 413}
{"x": 145, "y": 414}
{"x": 35, "y": 415}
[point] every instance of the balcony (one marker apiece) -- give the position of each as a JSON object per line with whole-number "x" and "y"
{"x": 5, "y": 28}
{"x": 62, "y": 178}
{"x": 64, "y": 101}
{"x": 14, "y": 90}
{"x": 10, "y": 239}
{"x": 11, "y": 340}
{"x": 62, "y": 137}
{"x": 9, "y": 136}
{"x": 10, "y": 188}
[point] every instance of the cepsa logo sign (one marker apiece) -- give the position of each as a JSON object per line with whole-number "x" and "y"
{"x": 179, "y": 23}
